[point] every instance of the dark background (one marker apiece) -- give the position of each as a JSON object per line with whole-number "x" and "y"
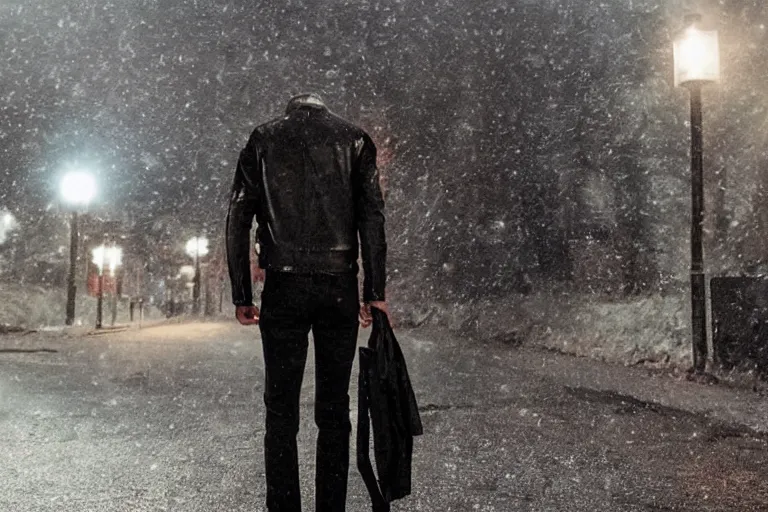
{"x": 525, "y": 145}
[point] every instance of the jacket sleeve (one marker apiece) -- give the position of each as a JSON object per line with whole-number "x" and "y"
{"x": 369, "y": 213}
{"x": 243, "y": 204}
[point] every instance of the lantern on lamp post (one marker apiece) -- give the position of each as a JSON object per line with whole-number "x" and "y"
{"x": 697, "y": 63}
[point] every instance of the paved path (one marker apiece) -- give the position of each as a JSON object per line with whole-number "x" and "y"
{"x": 171, "y": 418}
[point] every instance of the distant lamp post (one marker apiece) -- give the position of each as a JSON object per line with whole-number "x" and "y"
{"x": 106, "y": 258}
{"x": 197, "y": 248}
{"x": 697, "y": 63}
{"x": 77, "y": 189}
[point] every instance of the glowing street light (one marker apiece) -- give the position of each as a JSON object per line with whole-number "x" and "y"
{"x": 197, "y": 247}
{"x": 187, "y": 272}
{"x": 105, "y": 258}
{"x": 696, "y": 53}
{"x": 78, "y": 188}
{"x": 697, "y": 63}
{"x": 8, "y": 223}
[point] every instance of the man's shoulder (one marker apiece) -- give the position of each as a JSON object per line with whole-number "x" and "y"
{"x": 344, "y": 126}
{"x": 264, "y": 134}
{"x": 277, "y": 128}
{"x": 269, "y": 127}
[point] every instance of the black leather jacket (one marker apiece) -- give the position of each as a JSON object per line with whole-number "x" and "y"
{"x": 310, "y": 179}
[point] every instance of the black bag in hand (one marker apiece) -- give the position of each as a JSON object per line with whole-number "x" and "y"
{"x": 384, "y": 389}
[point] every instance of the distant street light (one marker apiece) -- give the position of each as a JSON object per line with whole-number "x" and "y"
{"x": 105, "y": 257}
{"x": 197, "y": 247}
{"x": 187, "y": 272}
{"x": 697, "y": 63}
{"x": 77, "y": 189}
{"x": 8, "y": 223}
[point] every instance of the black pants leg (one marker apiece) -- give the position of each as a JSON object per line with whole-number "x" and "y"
{"x": 335, "y": 332}
{"x": 284, "y": 328}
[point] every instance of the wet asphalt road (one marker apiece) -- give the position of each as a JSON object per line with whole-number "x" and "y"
{"x": 171, "y": 418}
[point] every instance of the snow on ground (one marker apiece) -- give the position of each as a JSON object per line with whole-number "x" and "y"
{"x": 641, "y": 329}
{"x": 37, "y": 307}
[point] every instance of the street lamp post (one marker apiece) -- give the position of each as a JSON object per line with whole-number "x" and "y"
{"x": 78, "y": 189}
{"x": 196, "y": 288}
{"x": 697, "y": 63}
{"x": 99, "y": 259}
{"x": 197, "y": 247}
{"x": 71, "y": 285}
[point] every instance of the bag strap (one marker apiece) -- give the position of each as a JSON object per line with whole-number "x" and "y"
{"x": 363, "y": 439}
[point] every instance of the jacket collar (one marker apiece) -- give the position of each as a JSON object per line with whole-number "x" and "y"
{"x": 305, "y": 101}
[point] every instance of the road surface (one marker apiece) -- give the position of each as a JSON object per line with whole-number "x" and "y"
{"x": 171, "y": 418}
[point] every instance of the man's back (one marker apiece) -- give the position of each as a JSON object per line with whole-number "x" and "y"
{"x": 307, "y": 173}
{"x": 310, "y": 178}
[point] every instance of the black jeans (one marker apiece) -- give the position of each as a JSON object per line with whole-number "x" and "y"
{"x": 291, "y": 306}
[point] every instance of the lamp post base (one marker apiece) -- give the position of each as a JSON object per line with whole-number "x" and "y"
{"x": 701, "y": 377}
{"x": 699, "y": 321}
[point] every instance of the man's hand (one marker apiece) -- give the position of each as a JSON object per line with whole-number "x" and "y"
{"x": 247, "y": 315}
{"x": 366, "y": 317}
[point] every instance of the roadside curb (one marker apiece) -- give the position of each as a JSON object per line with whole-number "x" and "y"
{"x": 107, "y": 330}
{"x": 149, "y": 325}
